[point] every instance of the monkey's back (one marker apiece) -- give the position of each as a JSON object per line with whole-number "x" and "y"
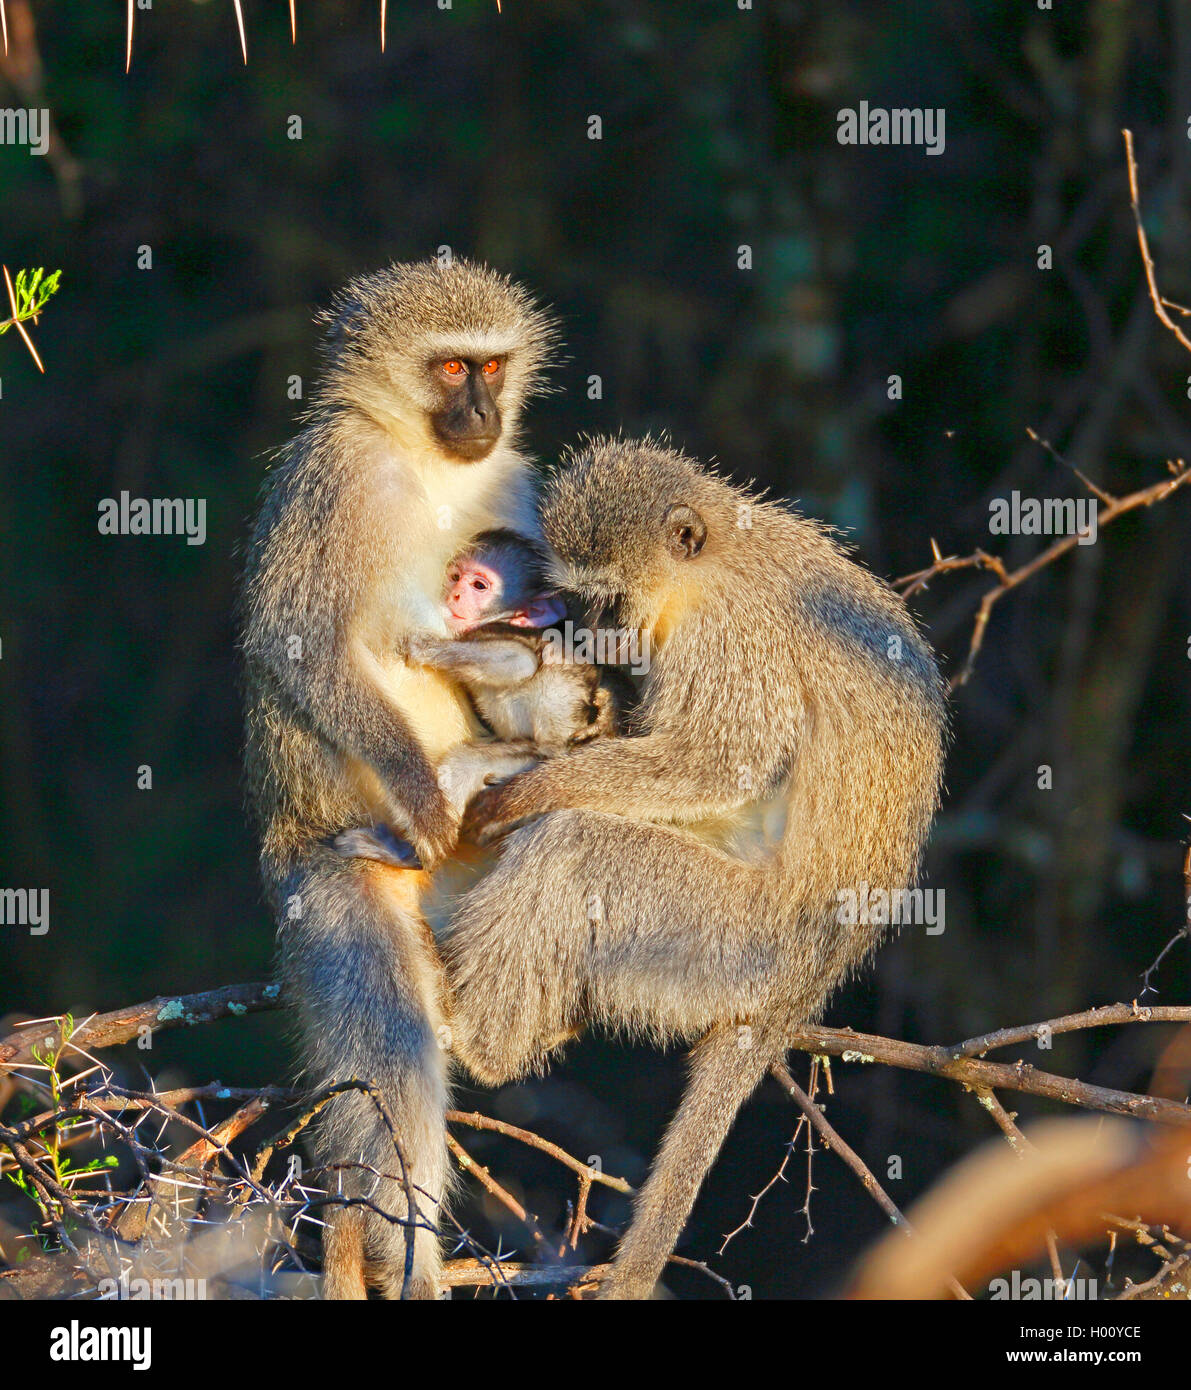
{"x": 836, "y": 699}
{"x": 868, "y": 757}
{"x": 295, "y": 784}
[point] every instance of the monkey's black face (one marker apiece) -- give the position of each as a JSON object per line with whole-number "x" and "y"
{"x": 467, "y": 422}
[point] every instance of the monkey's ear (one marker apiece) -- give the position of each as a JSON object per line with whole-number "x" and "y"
{"x": 686, "y": 531}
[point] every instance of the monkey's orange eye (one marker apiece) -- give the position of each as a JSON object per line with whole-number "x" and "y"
{"x": 491, "y": 368}
{"x": 453, "y": 368}
{"x": 480, "y": 584}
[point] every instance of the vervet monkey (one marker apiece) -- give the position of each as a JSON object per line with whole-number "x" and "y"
{"x": 527, "y": 687}
{"x": 521, "y": 677}
{"x": 409, "y": 449}
{"x": 685, "y": 883}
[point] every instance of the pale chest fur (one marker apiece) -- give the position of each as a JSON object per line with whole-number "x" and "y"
{"x": 419, "y": 526}
{"x": 437, "y": 710}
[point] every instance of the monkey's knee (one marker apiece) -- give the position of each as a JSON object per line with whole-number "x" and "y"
{"x": 492, "y": 1040}
{"x": 485, "y": 1061}
{"x": 498, "y": 1041}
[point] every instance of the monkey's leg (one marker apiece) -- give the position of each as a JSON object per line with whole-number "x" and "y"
{"x": 725, "y": 1069}
{"x": 343, "y": 1255}
{"x": 639, "y": 927}
{"x": 364, "y": 980}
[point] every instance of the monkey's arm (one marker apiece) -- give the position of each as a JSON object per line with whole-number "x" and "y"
{"x": 491, "y": 662}
{"x": 369, "y": 727}
{"x": 337, "y": 683}
{"x": 660, "y": 777}
{"x": 471, "y": 766}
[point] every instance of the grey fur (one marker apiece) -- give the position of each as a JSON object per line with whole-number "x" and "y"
{"x": 361, "y": 514}
{"x": 682, "y": 883}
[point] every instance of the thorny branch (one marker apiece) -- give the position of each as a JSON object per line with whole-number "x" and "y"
{"x": 217, "y": 1178}
{"x": 1007, "y": 580}
{"x": 1110, "y": 507}
{"x": 832, "y": 1140}
{"x": 209, "y": 1180}
{"x": 1183, "y": 933}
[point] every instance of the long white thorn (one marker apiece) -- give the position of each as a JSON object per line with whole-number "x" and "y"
{"x": 243, "y": 35}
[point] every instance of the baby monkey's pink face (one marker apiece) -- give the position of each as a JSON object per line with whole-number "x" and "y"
{"x": 474, "y": 593}
{"x": 477, "y": 594}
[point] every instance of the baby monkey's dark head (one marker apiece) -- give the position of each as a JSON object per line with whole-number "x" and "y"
{"x": 634, "y": 525}
{"x": 442, "y": 355}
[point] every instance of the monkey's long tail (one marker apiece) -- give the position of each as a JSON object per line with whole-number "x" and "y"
{"x": 725, "y": 1069}
{"x": 362, "y": 975}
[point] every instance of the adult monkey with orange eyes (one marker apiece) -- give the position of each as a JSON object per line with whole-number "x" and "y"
{"x": 409, "y": 450}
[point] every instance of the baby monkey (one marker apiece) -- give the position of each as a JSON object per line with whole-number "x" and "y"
{"x": 519, "y": 674}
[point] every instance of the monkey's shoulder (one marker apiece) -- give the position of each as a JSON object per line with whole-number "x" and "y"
{"x": 825, "y": 589}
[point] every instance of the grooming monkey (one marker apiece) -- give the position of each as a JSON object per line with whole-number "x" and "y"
{"x": 526, "y": 686}
{"x": 683, "y": 883}
{"x": 409, "y": 449}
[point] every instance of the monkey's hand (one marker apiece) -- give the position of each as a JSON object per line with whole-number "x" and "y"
{"x": 434, "y": 844}
{"x": 424, "y": 815}
{"x": 495, "y": 811}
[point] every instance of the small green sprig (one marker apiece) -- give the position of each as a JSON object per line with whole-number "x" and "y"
{"x": 26, "y": 299}
{"x": 51, "y": 1141}
{"x": 33, "y": 291}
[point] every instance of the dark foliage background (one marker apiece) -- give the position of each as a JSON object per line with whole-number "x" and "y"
{"x": 718, "y": 130}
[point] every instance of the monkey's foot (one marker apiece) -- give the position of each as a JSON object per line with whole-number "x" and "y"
{"x": 380, "y": 844}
